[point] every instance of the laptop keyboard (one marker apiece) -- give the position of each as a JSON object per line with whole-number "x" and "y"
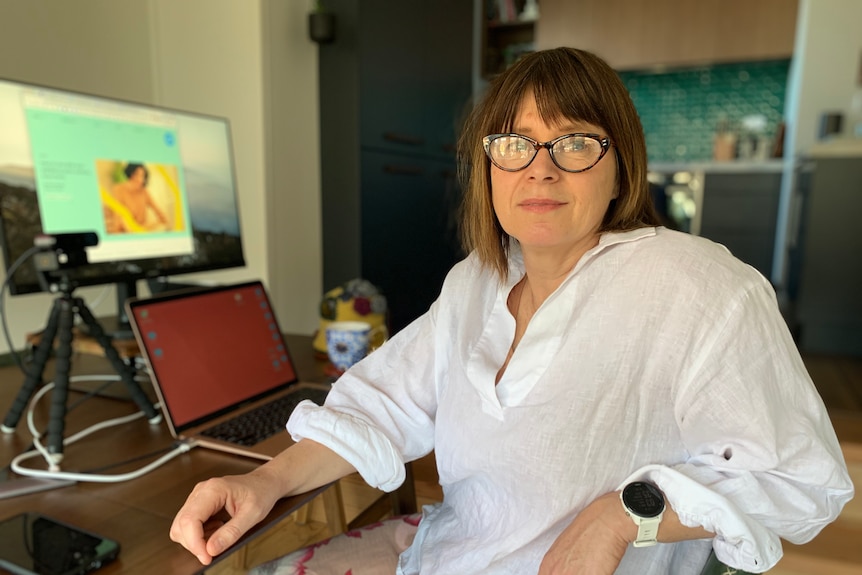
{"x": 262, "y": 422}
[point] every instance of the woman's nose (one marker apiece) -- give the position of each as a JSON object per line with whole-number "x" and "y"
{"x": 543, "y": 166}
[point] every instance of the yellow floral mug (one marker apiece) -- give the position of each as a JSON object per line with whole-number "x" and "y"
{"x": 356, "y": 300}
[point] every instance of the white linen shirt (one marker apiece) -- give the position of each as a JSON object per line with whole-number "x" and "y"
{"x": 660, "y": 356}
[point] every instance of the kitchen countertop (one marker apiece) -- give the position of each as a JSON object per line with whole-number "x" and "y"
{"x": 745, "y": 166}
{"x": 836, "y": 148}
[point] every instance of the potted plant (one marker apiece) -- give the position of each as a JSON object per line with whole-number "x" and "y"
{"x": 321, "y": 24}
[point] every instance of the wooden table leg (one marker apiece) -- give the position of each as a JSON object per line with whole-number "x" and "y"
{"x": 403, "y": 499}
{"x": 333, "y": 506}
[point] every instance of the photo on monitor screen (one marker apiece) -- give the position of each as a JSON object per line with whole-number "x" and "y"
{"x": 156, "y": 185}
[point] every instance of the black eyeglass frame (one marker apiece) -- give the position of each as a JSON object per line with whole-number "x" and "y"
{"x": 605, "y": 143}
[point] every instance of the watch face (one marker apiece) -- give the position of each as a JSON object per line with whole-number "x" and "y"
{"x": 644, "y": 499}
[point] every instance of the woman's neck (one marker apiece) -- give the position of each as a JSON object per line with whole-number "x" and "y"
{"x": 547, "y": 268}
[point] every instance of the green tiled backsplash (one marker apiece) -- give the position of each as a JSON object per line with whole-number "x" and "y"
{"x": 681, "y": 109}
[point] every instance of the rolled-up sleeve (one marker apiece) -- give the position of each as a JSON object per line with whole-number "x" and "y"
{"x": 380, "y": 413}
{"x": 764, "y": 463}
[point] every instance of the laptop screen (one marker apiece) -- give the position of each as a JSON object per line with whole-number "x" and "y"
{"x": 211, "y": 350}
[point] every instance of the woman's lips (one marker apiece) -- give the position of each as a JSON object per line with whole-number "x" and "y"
{"x": 539, "y": 205}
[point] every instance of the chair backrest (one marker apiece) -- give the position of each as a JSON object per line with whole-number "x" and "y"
{"x": 715, "y": 567}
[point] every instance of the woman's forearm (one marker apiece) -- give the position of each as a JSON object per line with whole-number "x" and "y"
{"x": 304, "y": 466}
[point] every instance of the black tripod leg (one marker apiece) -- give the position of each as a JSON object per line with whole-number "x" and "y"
{"x": 34, "y": 374}
{"x": 122, "y": 368}
{"x": 63, "y": 354}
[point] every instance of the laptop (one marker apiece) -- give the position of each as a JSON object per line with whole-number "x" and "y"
{"x": 214, "y": 355}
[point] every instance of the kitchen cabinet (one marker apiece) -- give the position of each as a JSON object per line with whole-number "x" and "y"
{"x": 740, "y": 211}
{"x": 409, "y": 231}
{"x": 826, "y": 263}
{"x": 638, "y": 34}
{"x": 732, "y": 203}
{"x": 394, "y": 86}
{"x": 414, "y": 70}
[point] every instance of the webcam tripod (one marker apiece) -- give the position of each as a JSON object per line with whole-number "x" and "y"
{"x": 60, "y": 323}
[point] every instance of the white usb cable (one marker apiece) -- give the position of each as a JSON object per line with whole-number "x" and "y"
{"x": 54, "y": 472}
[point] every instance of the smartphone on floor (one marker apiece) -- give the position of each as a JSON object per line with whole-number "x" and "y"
{"x": 34, "y": 544}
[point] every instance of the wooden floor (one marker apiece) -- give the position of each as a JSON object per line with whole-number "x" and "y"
{"x": 836, "y": 551}
{"x": 838, "y": 548}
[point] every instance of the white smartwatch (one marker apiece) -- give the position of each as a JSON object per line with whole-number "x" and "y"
{"x": 644, "y": 503}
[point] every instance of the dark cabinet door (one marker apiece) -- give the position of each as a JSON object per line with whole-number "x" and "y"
{"x": 447, "y": 74}
{"x": 414, "y": 74}
{"x": 740, "y": 211}
{"x": 391, "y": 52}
{"x": 409, "y": 235}
{"x": 829, "y": 304}
{"x": 395, "y": 85}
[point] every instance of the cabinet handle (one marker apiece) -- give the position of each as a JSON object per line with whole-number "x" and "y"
{"x": 403, "y": 139}
{"x": 403, "y": 170}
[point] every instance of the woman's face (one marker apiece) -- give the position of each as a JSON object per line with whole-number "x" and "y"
{"x": 138, "y": 177}
{"x": 546, "y": 208}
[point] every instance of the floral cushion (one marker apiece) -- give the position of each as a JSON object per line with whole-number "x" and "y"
{"x": 371, "y": 550}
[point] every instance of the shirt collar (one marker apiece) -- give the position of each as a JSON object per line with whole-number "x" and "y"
{"x": 606, "y": 240}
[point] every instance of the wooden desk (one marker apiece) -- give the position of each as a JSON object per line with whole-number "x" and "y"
{"x": 126, "y": 348}
{"x": 138, "y": 513}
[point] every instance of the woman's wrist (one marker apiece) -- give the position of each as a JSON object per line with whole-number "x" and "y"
{"x": 621, "y": 523}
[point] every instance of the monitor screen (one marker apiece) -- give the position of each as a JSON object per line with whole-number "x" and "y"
{"x": 156, "y": 185}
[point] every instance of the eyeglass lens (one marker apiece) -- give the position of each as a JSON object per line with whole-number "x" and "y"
{"x": 575, "y": 152}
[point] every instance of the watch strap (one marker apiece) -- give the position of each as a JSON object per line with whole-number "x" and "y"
{"x": 647, "y": 530}
{"x": 644, "y": 503}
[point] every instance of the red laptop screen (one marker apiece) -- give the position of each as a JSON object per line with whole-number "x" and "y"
{"x": 214, "y": 349}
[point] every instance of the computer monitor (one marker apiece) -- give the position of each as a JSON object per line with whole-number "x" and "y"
{"x": 156, "y": 185}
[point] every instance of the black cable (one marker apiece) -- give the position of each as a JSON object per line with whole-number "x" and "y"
{"x": 9, "y": 272}
{"x": 133, "y": 459}
{"x": 91, "y": 393}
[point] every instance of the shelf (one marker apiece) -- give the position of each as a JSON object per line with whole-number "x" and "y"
{"x": 504, "y": 43}
{"x": 496, "y": 24}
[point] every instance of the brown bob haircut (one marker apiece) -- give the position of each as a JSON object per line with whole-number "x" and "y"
{"x": 569, "y": 85}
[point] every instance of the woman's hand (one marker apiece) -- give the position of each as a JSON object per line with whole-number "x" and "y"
{"x": 594, "y": 543}
{"x": 245, "y": 499}
{"x": 219, "y": 511}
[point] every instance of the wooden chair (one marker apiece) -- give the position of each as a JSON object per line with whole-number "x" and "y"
{"x": 715, "y": 567}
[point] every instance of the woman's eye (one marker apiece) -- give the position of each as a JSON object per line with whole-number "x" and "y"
{"x": 574, "y": 145}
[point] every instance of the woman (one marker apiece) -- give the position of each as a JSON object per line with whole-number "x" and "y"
{"x": 579, "y": 349}
{"x": 133, "y": 195}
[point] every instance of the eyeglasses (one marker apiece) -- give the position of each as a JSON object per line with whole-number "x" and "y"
{"x": 570, "y": 152}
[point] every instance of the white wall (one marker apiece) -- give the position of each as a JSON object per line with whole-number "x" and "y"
{"x": 828, "y": 50}
{"x": 207, "y": 57}
{"x": 826, "y": 61}
{"x": 253, "y": 62}
{"x": 248, "y": 60}
{"x": 98, "y": 46}
{"x": 292, "y": 164}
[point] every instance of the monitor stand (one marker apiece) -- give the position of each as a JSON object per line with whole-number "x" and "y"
{"x": 122, "y": 329}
